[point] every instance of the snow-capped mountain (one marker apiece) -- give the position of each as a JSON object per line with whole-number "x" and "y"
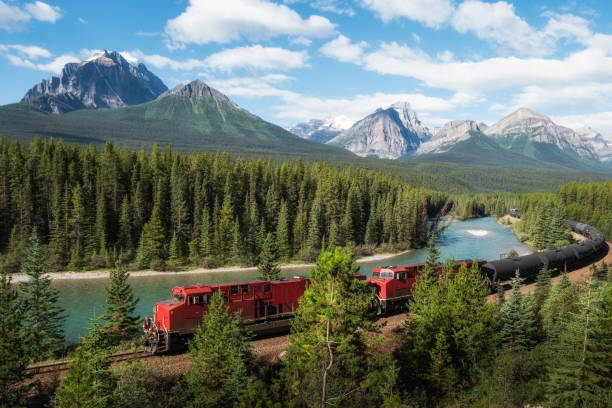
{"x": 538, "y": 128}
{"x": 321, "y": 130}
{"x": 104, "y": 81}
{"x": 387, "y": 133}
{"x": 602, "y": 145}
{"x": 450, "y": 134}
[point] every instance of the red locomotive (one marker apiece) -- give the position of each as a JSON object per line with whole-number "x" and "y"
{"x": 393, "y": 284}
{"x": 266, "y": 307}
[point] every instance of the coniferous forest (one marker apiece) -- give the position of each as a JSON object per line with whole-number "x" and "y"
{"x": 164, "y": 210}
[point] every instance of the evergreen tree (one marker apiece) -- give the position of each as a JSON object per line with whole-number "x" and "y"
{"x": 451, "y": 315}
{"x": 226, "y": 222}
{"x": 89, "y": 382}
{"x": 206, "y": 234}
{"x": 219, "y": 355}
{"x": 519, "y": 317}
{"x": 542, "y": 286}
{"x": 268, "y": 267}
{"x": 125, "y": 227}
{"x": 13, "y": 351}
{"x": 80, "y": 226}
{"x": 120, "y": 304}
{"x": 282, "y": 233}
{"x": 314, "y": 227}
{"x": 582, "y": 375}
{"x": 154, "y": 239}
{"x": 333, "y": 354}
{"x": 433, "y": 257}
{"x": 175, "y": 255}
{"x": 42, "y": 318}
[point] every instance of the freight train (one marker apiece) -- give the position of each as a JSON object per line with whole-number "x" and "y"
{"x": 568, "y": 256}
{"x": 267, "y": 307}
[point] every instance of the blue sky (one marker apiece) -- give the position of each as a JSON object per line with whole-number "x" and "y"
{"x": 293, "y": 60}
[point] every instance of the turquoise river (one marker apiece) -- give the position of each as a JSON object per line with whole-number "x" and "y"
{"x": 81, "y": 299}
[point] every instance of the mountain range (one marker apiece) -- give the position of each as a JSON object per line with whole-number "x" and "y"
{"x": 108, "y": 98}
{"x": 523, "y": 138}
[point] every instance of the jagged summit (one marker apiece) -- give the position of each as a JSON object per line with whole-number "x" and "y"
{"x": 387, "y": 133}
{"x": 195, "y": 90}
{"x": 106, "y": 80}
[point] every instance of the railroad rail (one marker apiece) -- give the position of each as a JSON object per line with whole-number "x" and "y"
{"x": 59, "y": 366}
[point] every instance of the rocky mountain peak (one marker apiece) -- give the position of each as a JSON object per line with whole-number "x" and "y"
{"x": 451, "y": 133}
{"x": 106, "y": 80}
{"x": 321, "y": 130}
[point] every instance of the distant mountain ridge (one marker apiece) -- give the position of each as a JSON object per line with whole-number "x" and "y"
{"x": 387, "y": 133}
{"x": 321, "y": 130}
{"x": 524, "y": 138}
{"x": 105, "y": 81}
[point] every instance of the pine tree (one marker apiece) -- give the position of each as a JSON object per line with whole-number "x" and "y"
{"x": 175, "y": 254}
{"x": 282, "y": 233}
{"x": 154, "y": 238}
{"x": 332, "y": 354}
{"x": 433, "y": 258}
{"x": 519, "y": 317}
{"x": 226, "y": 222}
{"x": 120, "y": 304}
{"x": 13, "y": 351}
{"x": 124, "y": 239}
{"x": 268, "y": 267}
{"x": 206, "y": 234}
{"x": 542, "y": 286}
{"x": 42, "y": 318}
{"x": 219, "y": 355}
{"x": 314, "y": 227}
{"x": 89, "y": 382}
{"x": 80, "y": 226}
{"x": 581, "y": 376}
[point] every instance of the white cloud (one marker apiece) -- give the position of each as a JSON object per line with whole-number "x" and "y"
{"x": 13, "y": 17}
{"x": 432, "y": 13}
{"x": 253, "y": 57}
{"x": 502, "y": 73}
{"x": 498, "y": 22}
{"x": 256, "y": 57}
{"x": 29, "y": 51}
{"x": 207, "y": 21}
{"x": 300, "y": 41}
{"x": 54, "y": 66}
{"x": 343, "y": 49}
{"x": 82, "y": 20}
{"x": 299, "y": 107}
{"x": 43, "y": 12}
{"x": 601, "y": 121}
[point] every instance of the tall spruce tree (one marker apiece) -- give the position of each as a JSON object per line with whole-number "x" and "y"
{"x": 42, "y": 317}
{"x": 89, "y": 382}
{"x": 268, "y": 266}
{"x": 219, "y": 355}
{"x": 13, "y": 351}
{"x": 542, "y": 286}
{"x": 283, "y": 233}
{"x": 120, "y": 305}
{"x": 581, "y": 375}
{"x": 334, "y": 356}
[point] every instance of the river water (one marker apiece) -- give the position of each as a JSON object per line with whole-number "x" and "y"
{"x": 481, "y": 238}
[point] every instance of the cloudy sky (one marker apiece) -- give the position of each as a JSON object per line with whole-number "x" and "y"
{"x": 293, "y": 60}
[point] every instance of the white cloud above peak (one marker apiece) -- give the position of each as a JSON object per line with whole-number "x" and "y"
{"x": 342, "y": 49}
{"x": 13, "y": 17}
{"x": 432, "y": 13}
{"x": 206, "y": 21}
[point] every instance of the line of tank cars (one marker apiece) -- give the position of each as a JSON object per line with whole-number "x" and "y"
{"x": 267, "y": 306}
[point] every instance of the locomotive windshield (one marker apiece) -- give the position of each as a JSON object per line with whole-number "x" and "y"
{"x": 376, "y": 274}
{"x": 386, "y": 275}
{"x": 178, "y": 299}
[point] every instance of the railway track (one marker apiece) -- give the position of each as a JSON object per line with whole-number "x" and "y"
{"x": 59, "y": 366}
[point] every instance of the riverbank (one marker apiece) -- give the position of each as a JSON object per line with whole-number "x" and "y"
{"x": 103, "y": 274}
